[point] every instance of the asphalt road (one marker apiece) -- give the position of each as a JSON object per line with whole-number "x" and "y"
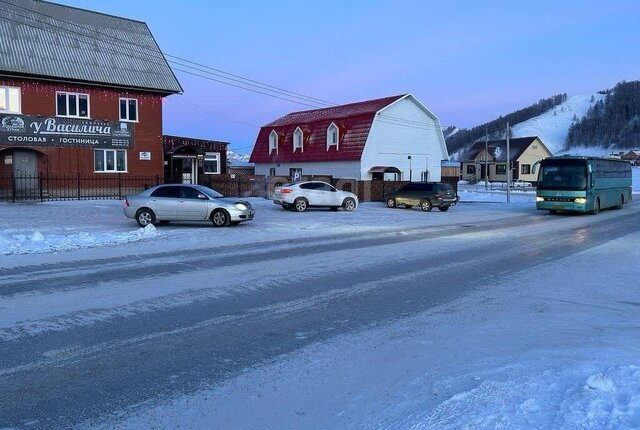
{"x": 62, "y": 377}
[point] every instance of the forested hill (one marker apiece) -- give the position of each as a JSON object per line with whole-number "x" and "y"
{"x": 465, "y": 137}
{"x": 612, "y": 122}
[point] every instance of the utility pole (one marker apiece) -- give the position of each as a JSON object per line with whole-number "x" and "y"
{"x": 508, "y": 168}
{"x": 486, "y": 156}
{"x": 410, "y": 179}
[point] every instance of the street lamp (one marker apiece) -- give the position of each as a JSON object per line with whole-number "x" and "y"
{"x": 409, "y": 158}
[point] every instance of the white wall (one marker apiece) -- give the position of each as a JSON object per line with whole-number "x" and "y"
{"x": 337, "y": 169}
{"x": 391, "y": 141}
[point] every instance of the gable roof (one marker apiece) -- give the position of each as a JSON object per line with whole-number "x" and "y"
{"x": 498, "y": 148}
{"x": 353, "y": 121}
{"x": 42, "y": 39}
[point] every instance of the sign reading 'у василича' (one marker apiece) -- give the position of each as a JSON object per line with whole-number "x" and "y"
{"x": 66, "y": 132}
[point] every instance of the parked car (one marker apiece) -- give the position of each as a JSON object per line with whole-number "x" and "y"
{"x": 423, "y": 194}
{"x": 183, "y": 202}
{"x": 301, "y": 195}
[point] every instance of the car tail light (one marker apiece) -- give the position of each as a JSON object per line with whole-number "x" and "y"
{"x": 286, "y": 190}
{"x": 126, "y": 203}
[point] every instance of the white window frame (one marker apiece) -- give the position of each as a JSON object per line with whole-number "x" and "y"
{"x": 331, "y": 127}
{"x": 7, "y": 99}
{"x": 67, "y": 94}
{"x": 298, "y": 139}
{"x": 273, "y": 142}
{"x": 209, "y": 156}
{"x": 127, "y": 100}
{"x": 115, "y": 164}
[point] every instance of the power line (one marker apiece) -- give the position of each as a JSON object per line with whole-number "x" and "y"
{"x": 293, "y": 97}
{"x": 209, "y": 112}
{"x": 210, "y": 70}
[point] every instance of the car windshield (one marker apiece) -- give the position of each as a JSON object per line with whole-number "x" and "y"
{"x": 209, "y": 192}
{"x": 563, "y": 175}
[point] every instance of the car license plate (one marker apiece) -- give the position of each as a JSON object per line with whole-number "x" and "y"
{"x": 556, "y": 207}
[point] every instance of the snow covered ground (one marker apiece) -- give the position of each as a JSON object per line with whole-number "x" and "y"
{"x": 71, "y": 225}
{"x": 553, "y": 346}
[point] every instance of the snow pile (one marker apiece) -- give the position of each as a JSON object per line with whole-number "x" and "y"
{"x": 37, "y": 242}
{"x": 553, "y": 126}
{"x": 559, "y": 399}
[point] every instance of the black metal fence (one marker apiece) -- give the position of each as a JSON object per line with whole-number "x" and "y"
{"x": 117, "y": 186}
{"x": 45, "y": 188}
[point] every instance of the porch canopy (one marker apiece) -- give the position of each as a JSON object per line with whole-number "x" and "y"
{"x": 384, "y": 169}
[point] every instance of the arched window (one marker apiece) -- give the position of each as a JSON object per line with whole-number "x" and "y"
{"x": 273, "y": 142}
{"x": 297, "y": 139}
{"x": 333, "y": 136}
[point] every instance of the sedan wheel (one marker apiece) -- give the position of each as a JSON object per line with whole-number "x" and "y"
{"x": 144, "y": 217}
{"x": 300, "y": 205}
{"x": 220, "y": 218}
{"x": 391, "y": 202}
{"x": 349, "y": 204}
{"x": 425, "y": 205}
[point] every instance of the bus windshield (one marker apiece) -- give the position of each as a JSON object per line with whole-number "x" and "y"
{"x": 563, "y": 175}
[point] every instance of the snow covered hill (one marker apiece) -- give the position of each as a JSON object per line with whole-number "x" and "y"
{"x": 232, "y": 155}
{"x": 553, "y": 126}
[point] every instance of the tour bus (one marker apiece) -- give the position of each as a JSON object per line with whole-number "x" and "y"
{"x": 583, "y": 184}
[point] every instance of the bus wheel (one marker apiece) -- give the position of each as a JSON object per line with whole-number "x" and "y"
{"x": 596, "y": 207}
{"x": 619, "y": 206}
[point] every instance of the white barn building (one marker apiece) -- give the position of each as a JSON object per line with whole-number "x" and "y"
{"x": 393, "y": 137}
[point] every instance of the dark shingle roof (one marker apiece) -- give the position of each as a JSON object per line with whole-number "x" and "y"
{"x": 498, "y": 148}
{"x": 44, "y": 39}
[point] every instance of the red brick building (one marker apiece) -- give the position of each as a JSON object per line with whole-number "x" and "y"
{"x": 80, "y": 93}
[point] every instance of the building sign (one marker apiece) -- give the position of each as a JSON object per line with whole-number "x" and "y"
{"x": 145, "y": 155}
{"x": 67, "y": 132}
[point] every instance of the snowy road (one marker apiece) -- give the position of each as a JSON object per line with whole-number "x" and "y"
{"x": 82, "y": 340}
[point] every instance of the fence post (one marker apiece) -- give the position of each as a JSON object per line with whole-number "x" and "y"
{"x": 40, "y": 187}
{"x": 120, "y": 185}
{"x": 78, "y": 175}
{"x": 13, "y": 187}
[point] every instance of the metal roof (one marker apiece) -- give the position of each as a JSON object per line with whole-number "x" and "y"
{"x": 49, "y": 40}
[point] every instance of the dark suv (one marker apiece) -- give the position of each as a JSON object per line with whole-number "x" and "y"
{"x": 425, "y": 194}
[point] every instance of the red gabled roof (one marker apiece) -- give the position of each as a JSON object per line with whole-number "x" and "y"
{"x": 353, "y": 120}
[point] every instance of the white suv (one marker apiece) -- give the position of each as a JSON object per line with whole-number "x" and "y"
{"x": 301, "y": 195}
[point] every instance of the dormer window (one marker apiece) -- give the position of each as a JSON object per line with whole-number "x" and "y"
{"x": 297, "y": 139}
{"x": 333, "y": 135}
{"x": 273, "y": 142}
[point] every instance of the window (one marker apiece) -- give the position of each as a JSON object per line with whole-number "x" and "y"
{"x": 332, "y": 136}
{"x": 129, "y": 110}
{"x": 169, "y": 192}
{"x": 273, "y": 142}
{"x": 110, "y": 160}
{"x": 501, "y": 169}
{"x": 189, "y": 193}
{"x": 297, "y": 139}
{"x": 471, "y": 169}
{"x": 10, "y": 100}
{"x": 272, "y": 171}
{"x": 211, "y": 163}
{"x": 72, "y": 105}
{"x": 525, "y": 169}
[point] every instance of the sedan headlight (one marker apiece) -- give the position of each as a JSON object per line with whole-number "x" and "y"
{"x": 539, "y": 199}
{"x": 580, "y": 200}
{"x": 240, "y": 206}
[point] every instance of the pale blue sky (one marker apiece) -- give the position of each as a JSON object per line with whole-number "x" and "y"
{"x": 467, "y": 61}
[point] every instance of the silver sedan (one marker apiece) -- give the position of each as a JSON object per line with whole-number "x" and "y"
{"x": 183, "y": 202}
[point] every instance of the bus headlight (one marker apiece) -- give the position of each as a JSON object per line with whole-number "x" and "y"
{"x": 580, "y": 200}
{"x": 539, "y": 199}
